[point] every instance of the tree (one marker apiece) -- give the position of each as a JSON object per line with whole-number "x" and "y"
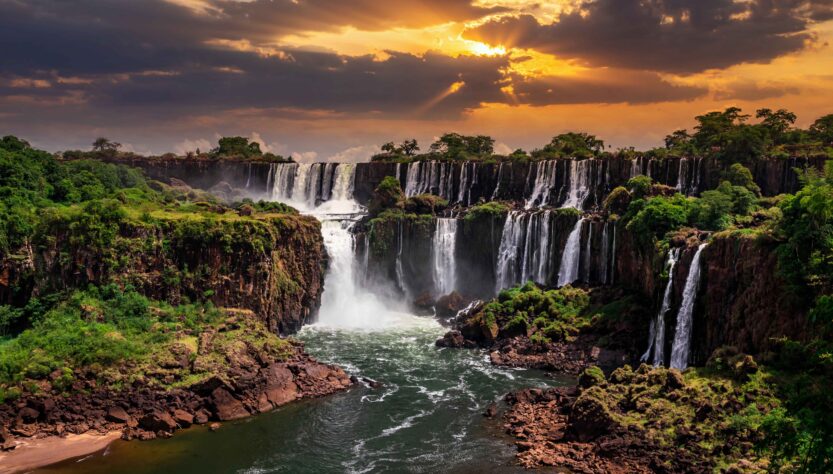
{"x": 572, "y": 144}
{"x": 822, "y": 130}
{"x": 677, "y": 139}
{"x": 455, "y": 146}
{"x": 238, "y": 146}
{"x": 777, "y": 123}
{"x": 389, "y": 147}
{"x": 739, "y": 175}
{"x": 713, "y": 127}
{"x": 104, "y": 145}
{"x": 409, "y": 147}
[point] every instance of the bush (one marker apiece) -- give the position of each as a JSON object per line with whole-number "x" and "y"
{"x": 387, "y": 195}
{"x": 425, "y": 204}
{"x": 655, "y": 217}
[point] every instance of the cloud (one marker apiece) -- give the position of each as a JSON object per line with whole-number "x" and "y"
{"x": 354, "y": 154}
{"x": 752, "y": 90}
{"x": 677, "y": 36}
{"x": 185, "y": 146}
{"x": 305, "y": 156}
{"x": 603, "y": 86}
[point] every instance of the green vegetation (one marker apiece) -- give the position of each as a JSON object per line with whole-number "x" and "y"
{"x": 104, "y": 328}
{"x": 106, "y": 224}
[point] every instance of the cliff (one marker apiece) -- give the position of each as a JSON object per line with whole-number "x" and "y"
{"x": 272, "y": 264}
{"x": 552, "y": 182}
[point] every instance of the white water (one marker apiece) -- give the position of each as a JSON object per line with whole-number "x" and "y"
{"x": 680, "y": 350}
{"x": 656, "y": 341}
{"x": 509, "y": 250}
{"x": 579, "y": 171}
{"x": 570, "y": 259}
{"x": 545, "y": 181}
{"x": 445, "y": 242}
{"x": 588, "y": 261}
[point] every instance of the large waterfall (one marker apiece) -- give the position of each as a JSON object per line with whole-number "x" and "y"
{"x": 545, "y": 182}
{"x": 525, "y": 249}
{"x": 656, "y": 341}
{"x": 306, "y": 185}
{"x": 579, "y": 189}
{"x": 444, "y": 245}
{"x": 570, "y": 259}
{"x": 680, "y": 350}
{"x": 430, "y": 177}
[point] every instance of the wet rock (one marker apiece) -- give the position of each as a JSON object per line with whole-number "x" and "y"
{"x": 117, "y": 415}
{"x": 28, "y": 415}
{"x": 214, "y": 426}
{"x": 453, "y": 339}
{"x": 183, "y": 418}
{"x": 157, "y": 421}
{"x": 226, "y": 407}
{"x": 491, "y": 411}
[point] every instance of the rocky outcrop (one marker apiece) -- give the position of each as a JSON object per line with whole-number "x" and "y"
{"x": 235, "y": 378}
{"x": 203, "y": 173}
{"x": 273, "y": 264}
{"x": 648, "y": 420}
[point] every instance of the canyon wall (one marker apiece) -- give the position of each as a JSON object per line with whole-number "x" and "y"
{"x": 273, "y": 264}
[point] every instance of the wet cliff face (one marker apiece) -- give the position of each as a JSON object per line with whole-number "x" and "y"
{"x": 272, "y": 265}
{"x": 743, "y": 301}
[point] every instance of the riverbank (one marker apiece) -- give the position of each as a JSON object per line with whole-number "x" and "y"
{"x": 231, "y": 370}
{"x": 35, "y": 453}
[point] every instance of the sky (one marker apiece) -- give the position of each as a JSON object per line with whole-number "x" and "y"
{"x": 331, "y": 80}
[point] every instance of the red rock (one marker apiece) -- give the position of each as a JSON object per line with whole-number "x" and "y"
{"x": 117, "y": 415}
{"x": 157, "y": 421}
{"x": 183, "y": 418}
{"x": 226, "y": 407}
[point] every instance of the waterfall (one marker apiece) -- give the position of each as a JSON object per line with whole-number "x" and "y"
{"x": 249, "y": 176}
{"x": 680, "y": 350}
{"x": 342, "y": 188}
{"x": 613, "y": 257}
{"x": 588, "y": 261}
{"x": 511, "y": 241}
{"x": 282, "y": 179}
{"x": 496, "y": 192}
{"x": 681, "y": 177}
{"x": 464, "y": 192}
{"x": 578, "y": 183}
{"x": 545, "y": 181}
{"x": 524, "y": 252}
{"x": 445, "y": 241}
{"x": 603, "y": 272}
{"x": 400, "y": 273}
{"x": 656, "y": 340}
{"x": 570, "y": 259}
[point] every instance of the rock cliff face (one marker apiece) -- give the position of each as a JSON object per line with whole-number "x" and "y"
{"x": 585, "y": 183}
{"x": 272, "y": 265}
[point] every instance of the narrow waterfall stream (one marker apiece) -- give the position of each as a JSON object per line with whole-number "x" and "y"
{"x": 445, "y": 243}
{"x": 570, "y": 260}
{"x": 656, "y": 340}
{"x": 680, "y": 351}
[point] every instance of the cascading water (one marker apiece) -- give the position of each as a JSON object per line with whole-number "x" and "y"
{"x": 511, "y": 241}
{"x": 545, "y": 182}
{"x": 524, "y": 252}
{"x": 570, "y": 259}
{"x": 656, "y": 341}
{"x": 680, "y": 350}
{"x": 445, "y": 242}
{"x": 588, "y": 256}
{"x": 579, "y": 171}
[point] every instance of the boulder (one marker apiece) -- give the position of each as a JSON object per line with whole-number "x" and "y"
{"x": 590, "y": 416}
{"x": 157, "y": 421}
{"x": 117, "y": 415}
{"x": 183, "y": 418}
{"x": 28, "y": 415}
{"x": 226, "y": 407}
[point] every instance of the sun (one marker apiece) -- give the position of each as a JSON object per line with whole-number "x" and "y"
{"x": 482, "y": 49}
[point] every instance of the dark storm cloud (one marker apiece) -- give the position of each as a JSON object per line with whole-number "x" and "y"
{"x": 607, "y": 86}
{"x": 677, "y": 36}
{"x": 155, "y": 53}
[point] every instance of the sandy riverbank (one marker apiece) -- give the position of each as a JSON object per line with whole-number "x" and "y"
{"x": 43, "y": 452}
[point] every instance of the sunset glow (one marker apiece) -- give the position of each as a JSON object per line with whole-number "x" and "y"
{"x": 425, "y": 67}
